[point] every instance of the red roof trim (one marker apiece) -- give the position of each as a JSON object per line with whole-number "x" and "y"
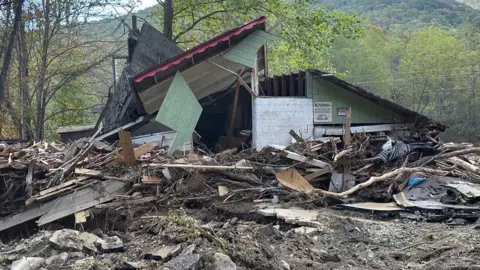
{"x": 201, "y": 48}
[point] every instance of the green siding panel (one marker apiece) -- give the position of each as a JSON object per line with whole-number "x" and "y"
{"x": 179, "y": 111}
{"x": 245, "y": 52}
{"x": 364, "y": 111}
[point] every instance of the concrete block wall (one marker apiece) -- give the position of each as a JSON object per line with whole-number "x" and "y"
{"x": 274, "y": 117}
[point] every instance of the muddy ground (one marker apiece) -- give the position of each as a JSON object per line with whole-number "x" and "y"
{"x": 338, "y": 239}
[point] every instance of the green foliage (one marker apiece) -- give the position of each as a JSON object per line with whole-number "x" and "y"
{"x": 308, "y": 30}
{"x": 408, "y": 14}
{"x": 431, "y": 71}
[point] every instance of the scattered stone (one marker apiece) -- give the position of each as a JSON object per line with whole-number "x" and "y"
{"x": 111, "y": 244}
{"x": 57, "y": 259}
{"x": 184, "y": 262}
{"x": 89, "y": 241}
{"x": 164, "y": 253}
{"x": 309, "y": 231}
{"x": 189, "y": 259}
{"x": 89, "y": 264}
{"x": 284, "y": 265}
{"x": 134, "y": 265}
{"x": 28, "y": 263}
{"x": 223, "y": 262}
{"x": 234, "y": 220}
{"x": 67, "y": 240}
{"x": 76, "y": 255}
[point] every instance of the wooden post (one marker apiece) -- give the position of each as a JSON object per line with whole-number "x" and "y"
{"x": 234, "y": 113}
{"x": 127, "y": 148}
{"x": 347, "y": 141}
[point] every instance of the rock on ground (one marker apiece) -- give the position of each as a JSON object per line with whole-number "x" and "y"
{"x": 223, "y": 262}
{"x": 89, "y": 241}
{"x": 57, "y": 259}
{"x": 163, "y": 253}
{"x": 28, "y": 263}
{"x": 67, "y": 240}
{"x": 111, "y": 244}
{"x": 89, "y": 264}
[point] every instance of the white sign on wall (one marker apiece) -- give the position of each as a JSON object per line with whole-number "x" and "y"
{"x": 322, "y": 112}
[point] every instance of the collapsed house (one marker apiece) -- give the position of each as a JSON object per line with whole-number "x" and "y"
{"x": 220, "y": 92}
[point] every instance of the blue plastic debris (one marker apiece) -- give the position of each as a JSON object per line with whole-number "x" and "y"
{"x": 413, "y": 181}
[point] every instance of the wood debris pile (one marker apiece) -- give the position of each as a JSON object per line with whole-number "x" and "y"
{"x": 52, "y": 181}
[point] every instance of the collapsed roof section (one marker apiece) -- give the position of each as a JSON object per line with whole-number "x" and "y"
{"x": 147, "y": 48}
{"x": 210, "y": 67}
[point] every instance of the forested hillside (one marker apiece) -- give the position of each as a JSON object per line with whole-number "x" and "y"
{"x": 472, "y": 3}
{"x": 408, "y": 14}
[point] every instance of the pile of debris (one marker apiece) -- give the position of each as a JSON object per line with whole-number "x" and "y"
{"x": 52, "y": 181}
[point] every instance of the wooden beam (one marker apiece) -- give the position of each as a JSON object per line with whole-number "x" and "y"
{"x": 297, "y": 157}
{"x": 234, "y": 113}
{"x": 318, "y": 173}
{"x": 127, "y": 148}
{"x": 347, "y": 135}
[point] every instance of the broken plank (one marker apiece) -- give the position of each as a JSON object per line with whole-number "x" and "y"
{"x": 63, "y": 185}
{"x": 29, "y": 179}
{"x": 298, "y": 157}
{"x": 83, "y": 199}
{"x": 318, "y": 173}
{"x": 292, "y": 179}
{"x": 87, "y": 172}
{"x": 193, "y": 166}
{"x": 139, "y": 151}
{"x": 128, "y": 202}
{"x": 296, "y": 136}
{"x": 127, "y": 148}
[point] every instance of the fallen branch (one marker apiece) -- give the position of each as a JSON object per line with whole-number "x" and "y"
{"x": 376, "y": 179}
{"x": 463, "y": 164}
{"x": 473, "y": 150}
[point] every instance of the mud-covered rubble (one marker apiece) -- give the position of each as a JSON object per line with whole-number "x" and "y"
{"x": 344, "y": 240}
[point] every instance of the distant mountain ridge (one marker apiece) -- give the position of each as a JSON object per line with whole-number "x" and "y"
{"x": 410, "y": 14}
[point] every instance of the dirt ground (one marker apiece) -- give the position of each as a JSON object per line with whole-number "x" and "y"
{"x": 339, "y": 240}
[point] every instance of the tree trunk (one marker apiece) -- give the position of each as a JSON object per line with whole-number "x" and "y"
{"x": 41, "y": 95}
{"x": 25, "y": 112}
{"x": 168, "y": 19}
{"x": 8, "y": 52}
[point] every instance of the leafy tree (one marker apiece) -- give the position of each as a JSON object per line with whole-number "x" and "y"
{"x": 307, "y": 29}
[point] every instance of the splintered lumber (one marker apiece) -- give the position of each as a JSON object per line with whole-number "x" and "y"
{"x": 146, "y": 179}
{"x": 297, "y": 157}
{"x": 292, "y": 179}
{"x": 88, "y": 172}
{"x": 29, "y": 179}
{"x": 55, "y": 190}
{"x": 459, "y": 153}
{"x": 63, "y": 185}
{"x": 127, "y": 148}
{"x": 128, "y": 202}
{"x": 81, "y": 217}
{"x": 318, "y": 173}
{"x": 194, "y": 166}
{"x": 296, "y": 136}
{"x": 81, "y": 200}
{"x": 139, "y": 151}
